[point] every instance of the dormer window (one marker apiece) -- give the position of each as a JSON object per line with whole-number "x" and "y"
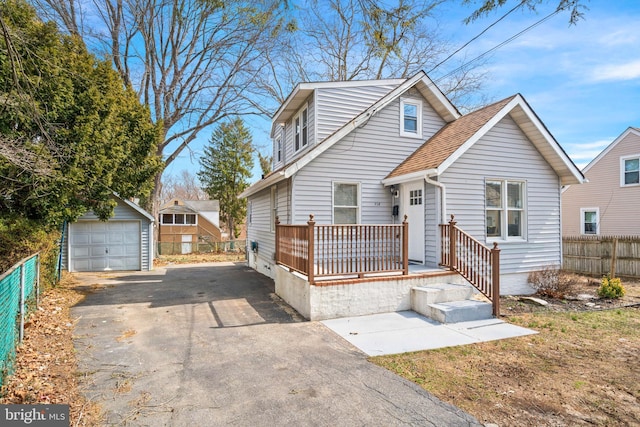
{"x": 411, "y": 118}
{"x": 278, "y": 149}
{"x": 301, "y": 129}
{"x": 630, "y": 170}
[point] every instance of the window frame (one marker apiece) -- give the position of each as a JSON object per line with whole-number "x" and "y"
{"x": 184, "y": 219}
{"x": 418, "y": 104}
{"x": 623, "y": 171}
{"x": 301, "y": 129}
{"x": 357, "y": 207}
{"x": 583, "y": 231}
{"x": 504, "y": 210}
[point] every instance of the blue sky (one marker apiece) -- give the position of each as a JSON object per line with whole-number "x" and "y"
{"x": 583, "y": 81}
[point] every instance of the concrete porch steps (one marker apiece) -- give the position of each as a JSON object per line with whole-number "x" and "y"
{"x": 449, "y": 303}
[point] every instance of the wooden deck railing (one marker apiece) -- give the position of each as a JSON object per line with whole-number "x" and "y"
{"x": 342, "y": 250}
{"x": 472, "y": 260}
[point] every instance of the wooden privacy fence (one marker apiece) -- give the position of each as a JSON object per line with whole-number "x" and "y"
{"x": 601, "y": 255}
{"x": 472, "y": 260}
{"x": 342, "y": 250}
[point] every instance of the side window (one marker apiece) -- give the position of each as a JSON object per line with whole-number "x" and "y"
{"x": 346, "y": 203}
{"x": 505, "y": 209}
{"x": 411, "y": 118}
{"x": 589, "y": 220}
{"x": 629, "y": 171}
{"x": 301, "y": 129}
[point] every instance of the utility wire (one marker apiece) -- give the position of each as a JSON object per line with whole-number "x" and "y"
{"x": 476, "y": 37}
{"x": 510, "y": 39}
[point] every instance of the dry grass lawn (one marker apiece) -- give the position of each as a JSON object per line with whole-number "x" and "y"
{"x": 583, "y": 368}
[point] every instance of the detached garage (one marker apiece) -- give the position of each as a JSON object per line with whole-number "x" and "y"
{"x": 124, "y": 242}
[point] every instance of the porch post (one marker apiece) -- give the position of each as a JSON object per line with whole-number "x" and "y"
{"x": 277, "y": 240}
{"x": 310, "y": 239}
{"x": 452, "y": 243}
{"x": 405, "y": 246}
{"x": 495, "y": 279}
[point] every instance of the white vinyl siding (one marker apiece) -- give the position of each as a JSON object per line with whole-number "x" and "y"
{"x": 336, "y": 106}
{"x": 618, "y": 205}
{"x": 505, "y": 153}
{"x": 259, "y": 229}
{"x": 366, "y": 155}
{"x": 289, "y": 152}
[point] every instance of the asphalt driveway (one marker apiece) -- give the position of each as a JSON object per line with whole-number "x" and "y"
{"x": 211, "y": 344}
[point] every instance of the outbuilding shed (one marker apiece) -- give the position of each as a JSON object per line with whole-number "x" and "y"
{"x": 124, "y": 242}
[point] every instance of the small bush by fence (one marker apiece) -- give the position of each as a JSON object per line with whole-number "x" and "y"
{"x": 19, "y": 290}
{"x": 177, "y": 248}
{"x": 602, "y": 255}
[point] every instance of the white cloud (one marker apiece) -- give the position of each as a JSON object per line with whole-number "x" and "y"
{"x": 617, "y": 72}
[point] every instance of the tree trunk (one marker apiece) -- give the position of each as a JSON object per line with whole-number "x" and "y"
{"x": 155, "y": 209}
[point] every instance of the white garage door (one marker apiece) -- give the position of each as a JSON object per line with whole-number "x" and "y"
{"x": 103, "y": 246}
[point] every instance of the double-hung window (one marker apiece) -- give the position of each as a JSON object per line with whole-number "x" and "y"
{"x": 411, "y": 118}
{"x": 630, "y": 170}
{"x": 301, "y": 129}
{"x": 346, "y": 199}
{"x": 589, "y": 219}
{"x": 505, "y": 209}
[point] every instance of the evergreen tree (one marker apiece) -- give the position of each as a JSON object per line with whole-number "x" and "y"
{"x": 225, "y": 169}
{"x": 71, "y": 134}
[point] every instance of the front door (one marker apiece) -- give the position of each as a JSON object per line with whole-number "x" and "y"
{"x": 413, "y": 203}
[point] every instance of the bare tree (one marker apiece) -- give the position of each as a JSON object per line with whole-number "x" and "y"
{"x": 184, "y": 186}
{"x": 340, "y": 40}
{"x": 192, "y": 62}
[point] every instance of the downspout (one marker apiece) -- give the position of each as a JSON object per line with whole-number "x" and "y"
{"x": 443, "y": 198}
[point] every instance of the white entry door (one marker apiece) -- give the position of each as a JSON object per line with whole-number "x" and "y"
{"x": 413, "y": 203}
{"x": 187, "y": 239}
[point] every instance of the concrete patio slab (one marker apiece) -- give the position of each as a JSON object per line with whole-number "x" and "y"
{"x": 406, "y": 331}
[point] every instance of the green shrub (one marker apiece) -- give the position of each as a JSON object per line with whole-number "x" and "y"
{"x": 611, "y": 288}
{"x": 21, "y": 237}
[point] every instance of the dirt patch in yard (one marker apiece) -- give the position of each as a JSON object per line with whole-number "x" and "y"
{"x": 582, "y": 368}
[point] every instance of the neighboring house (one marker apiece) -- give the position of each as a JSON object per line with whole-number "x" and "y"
{"x": 609, "y": 202}
{"x": 185, "y": 225}
{"x": 124, "y": 242}
{"x": 370, "y": 152}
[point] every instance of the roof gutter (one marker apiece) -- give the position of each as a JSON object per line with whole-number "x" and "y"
{"x": 443, "y": 198}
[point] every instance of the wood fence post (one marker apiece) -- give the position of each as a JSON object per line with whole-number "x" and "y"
{"x": 452, "y": 243}
{"x": 614, "y": 258}
{"x": 405, "y": 246}
{"x": 310, "y": 258}
{"x": 495, "y": 279}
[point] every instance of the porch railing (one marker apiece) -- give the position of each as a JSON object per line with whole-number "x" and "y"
{"x": 342, "y": 250}
{"x": 472, "y": 260}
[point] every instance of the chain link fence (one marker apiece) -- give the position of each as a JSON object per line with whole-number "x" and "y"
{"x": 183, "y": 248}
{"x": 19, "y": 292}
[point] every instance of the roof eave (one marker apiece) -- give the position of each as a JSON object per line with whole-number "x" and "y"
{"x": 274, "y": 178}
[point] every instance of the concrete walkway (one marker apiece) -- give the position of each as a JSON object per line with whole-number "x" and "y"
{"x": 405, "y": 331}
{"x": 211, "y": 344}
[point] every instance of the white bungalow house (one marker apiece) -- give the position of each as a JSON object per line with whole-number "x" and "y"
{"x": 371, "y": 152}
